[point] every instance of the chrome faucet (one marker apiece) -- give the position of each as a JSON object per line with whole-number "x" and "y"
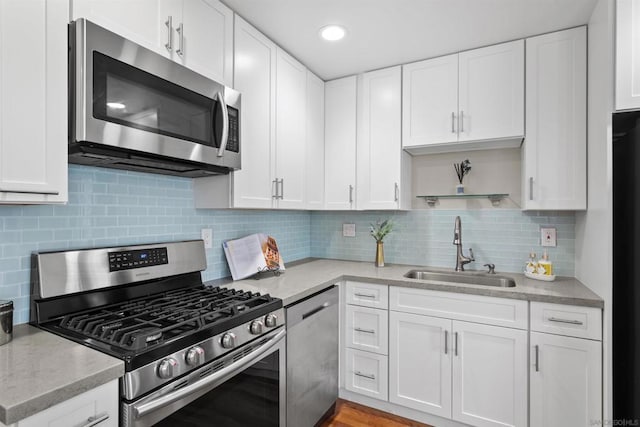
{"x": 461, "y": 260}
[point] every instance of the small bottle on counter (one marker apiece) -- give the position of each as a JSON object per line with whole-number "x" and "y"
{"x": 532, "y": 264}
{"x": 546, "y": 264}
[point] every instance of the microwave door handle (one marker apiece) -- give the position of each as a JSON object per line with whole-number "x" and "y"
{"x": 225, "y": 125}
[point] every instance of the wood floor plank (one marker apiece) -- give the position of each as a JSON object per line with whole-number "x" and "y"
{"x": 350, "y": 414}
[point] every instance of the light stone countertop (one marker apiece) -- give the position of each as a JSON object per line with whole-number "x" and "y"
{"x": 307, "y": 278}
{"x": 39, "y": 369}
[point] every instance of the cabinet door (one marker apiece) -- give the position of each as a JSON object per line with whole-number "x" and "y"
{"x": 566, "y": 381}
{"x": 489, "y": 375}
{"x": 420, "y": 362}
{"x": 141, "y": 21}
{"x": 340, "y": 143}
{"x": 555, "y": 148}
{"x": 208, "y": 39}
{"x": 33, "y": 101}
{"x": 255, "y": 74}
{"x": 430, "y": 102}
{"x": 315, "y": 142}
{"x": 491, "y": 85}
{"x": 379, "y": 148}
{"x": 291, "y": 102}
{"x": 627, "y": 54}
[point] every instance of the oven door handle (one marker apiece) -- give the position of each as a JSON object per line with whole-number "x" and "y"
{"x": 225, "y": 125}
{"x": 210, "y": 381}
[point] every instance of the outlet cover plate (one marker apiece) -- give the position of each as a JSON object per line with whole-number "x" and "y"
{"x": 548, "y": 236}
{"x": 207, "y": 236}
{"x": 348, "y": 230}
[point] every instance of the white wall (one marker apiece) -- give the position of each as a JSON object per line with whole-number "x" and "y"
{"x": 594, "y": 233}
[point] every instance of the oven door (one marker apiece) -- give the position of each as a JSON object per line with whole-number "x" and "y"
{"x": 132, "y": 99}
{"x": 245, "y": 388}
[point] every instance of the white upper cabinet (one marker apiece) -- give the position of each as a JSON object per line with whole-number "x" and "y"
{"x": 33, "y": 101}
{"x": 255, "y": 78}
{"x": 627, "y": 55}
{"x": 491, "y": 93}
{"x": 554, "y": 165}
{"x": 291, "y": 101}
{"x": 466, "y": 101}
{"x": 196, "y": 33}
{"x": 430, "y": 102}
{"x": 340, "y": 143}
{"x": 379, "y": 164}
{"x": 315, "y": 142}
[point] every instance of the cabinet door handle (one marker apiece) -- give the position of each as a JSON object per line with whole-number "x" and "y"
{"x": 180, "y": 30}
{"x": 455, "y": 344}
{"x": 281, "y": 188}
{"x": 461, "y": 121}
{"x": 364, "y": 295}
{"x": 569, "y": 321}
{"x": 274, "y": 189}
{"x": 396, "y": 192}
{"x": 169, "y": 24}
{"x": 537, "y": 358}
{"x": 530, "y": 188}
{"x": 95, "y": 420}
{"x": 360, "y": 374}
{"x": 350, "y": 193}
{"x": 446, "y": 342}
{"x": 366, "y": 331}
{"x": 453, "y": 122}
{"x": 49, "y": 193}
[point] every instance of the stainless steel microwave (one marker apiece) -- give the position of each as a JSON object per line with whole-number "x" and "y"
{"x": 132, "y": 108}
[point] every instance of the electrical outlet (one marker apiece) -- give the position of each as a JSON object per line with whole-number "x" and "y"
{"x": 348, "y": 230}
{"x": 548, "y": 236}
{"x": 207, "y": 236}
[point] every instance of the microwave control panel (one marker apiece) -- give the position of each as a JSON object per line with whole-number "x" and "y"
{"x": 233, "y": 143}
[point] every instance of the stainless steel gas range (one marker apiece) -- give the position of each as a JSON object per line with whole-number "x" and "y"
{"x": 194, "y": 355}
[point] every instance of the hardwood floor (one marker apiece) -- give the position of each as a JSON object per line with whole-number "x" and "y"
{"x": 350, "y": 414}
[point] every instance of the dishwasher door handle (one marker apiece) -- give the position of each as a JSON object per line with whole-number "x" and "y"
{"x": 315, "y": 310}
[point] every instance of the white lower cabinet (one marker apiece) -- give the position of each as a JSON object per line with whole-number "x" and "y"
{"x": 98, "y": 406}
{"x": 489, "y": 375}
{"x": 366, "y": 373}
{"x": 566, "y": 381}
{"x": 367, "y": 329}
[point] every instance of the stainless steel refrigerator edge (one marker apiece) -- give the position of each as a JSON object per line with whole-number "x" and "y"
{"x": 312, "y": 358}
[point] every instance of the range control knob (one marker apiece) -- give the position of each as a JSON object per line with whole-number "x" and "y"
{"x": 271, "y": 320}
{"x": 195, "y": 356}
{"x": 167, "y": 367}
{"x": 228, "y": 340}
{"x": 256, "y": 327}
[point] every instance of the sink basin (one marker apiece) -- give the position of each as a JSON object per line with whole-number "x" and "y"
{"x": 471, "y": 278}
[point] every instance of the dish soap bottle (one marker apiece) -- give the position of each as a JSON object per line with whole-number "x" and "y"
{"x": 532, "y": 264}
{"x": 546, "y": 264}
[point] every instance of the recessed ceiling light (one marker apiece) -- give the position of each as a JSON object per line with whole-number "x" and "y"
{"x": 116, "y": 105}
{"x": 332, "y": 33}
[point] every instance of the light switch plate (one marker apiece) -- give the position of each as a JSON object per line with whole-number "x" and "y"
{"x": 207, "y": 236}
{"x": 348, "y": 230}
{"x": 548, "y": 236}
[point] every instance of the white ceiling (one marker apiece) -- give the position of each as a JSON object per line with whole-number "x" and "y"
{"x": 382, "y": 33}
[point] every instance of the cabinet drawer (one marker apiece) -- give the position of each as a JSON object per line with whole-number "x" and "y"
{"x": 368, "y": 294}
{"x": 569, "y": 320}
{"x": 473, "y": 308}
{"x": 367, "y": 374}
{"x": 367, "y": 329}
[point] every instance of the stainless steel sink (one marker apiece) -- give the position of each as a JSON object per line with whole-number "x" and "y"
{"x": 471, "y": 278}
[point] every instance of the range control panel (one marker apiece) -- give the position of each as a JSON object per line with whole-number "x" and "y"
{"x": 126, "y": 260}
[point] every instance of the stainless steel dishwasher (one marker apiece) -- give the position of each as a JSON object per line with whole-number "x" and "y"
{"x": 312, "y": 358}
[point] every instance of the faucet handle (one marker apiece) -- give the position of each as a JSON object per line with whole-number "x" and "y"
{"x": 492, "y": 268}
{"x": 471, "y": 257}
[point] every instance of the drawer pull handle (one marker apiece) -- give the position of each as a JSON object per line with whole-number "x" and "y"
{"x": 571, "y": 322}
{"x": 366, "y": 331}
{"x": 369, "y": 376}
{"x": 97, "y": 419}
{"x": 537, "y": 358}
{"x": 365, "y": 295}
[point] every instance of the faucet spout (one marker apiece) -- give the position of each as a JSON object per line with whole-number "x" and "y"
{"x": 461, "y": 260}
